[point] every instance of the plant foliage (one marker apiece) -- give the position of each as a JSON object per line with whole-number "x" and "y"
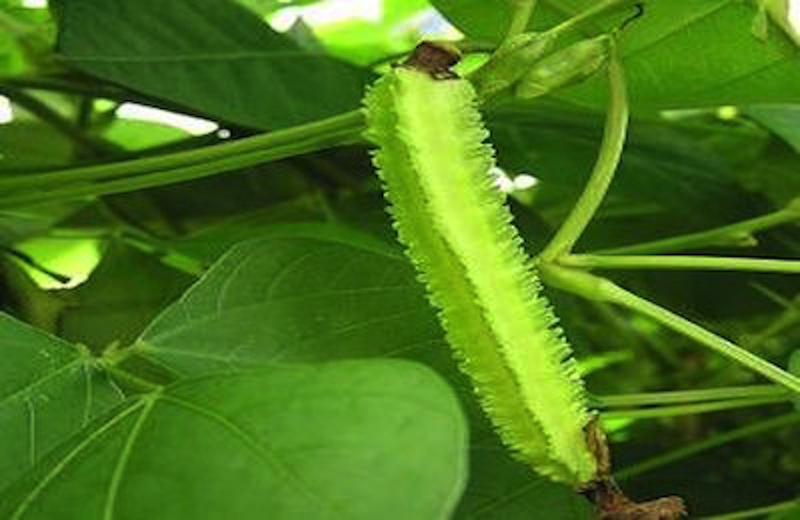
{"x": 253, "y": 342}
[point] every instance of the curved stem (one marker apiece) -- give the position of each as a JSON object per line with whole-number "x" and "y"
{"x": 603, "y": 172}
{"x": 712, "y": 263}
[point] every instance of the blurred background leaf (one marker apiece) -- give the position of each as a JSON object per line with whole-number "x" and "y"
{"x": 212, "y": 56}
{"x": 660, "y": 51}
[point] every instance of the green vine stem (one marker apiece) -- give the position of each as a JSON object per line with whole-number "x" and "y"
{"x": 711, "y": 263}
{"x": 598, "y": 288}
{"x": 521, "y": 12}
{"x": 670, "y": 457}
{"x": 180, "y": 166}
{"x": 691, "y": 409}
{"x": 694, "y": 396}
{"x": 603, "y": 172}
{"x": 149, "y": 180}
{"x": 738, "y": 234}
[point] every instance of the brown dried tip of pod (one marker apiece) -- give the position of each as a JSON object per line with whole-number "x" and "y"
{"x": 612, "y": 504}
{"x": 435, "y": 58}
{"x": 609, "y": 501}
{"x": 667, "y": 508}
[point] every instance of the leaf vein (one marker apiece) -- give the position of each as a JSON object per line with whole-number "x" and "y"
{"x": 124, "y": 457}
{"x": 266, "y": 453}
{"x": 58, "y": 468}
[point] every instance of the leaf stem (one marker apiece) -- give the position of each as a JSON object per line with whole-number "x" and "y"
{"x": 737, "y": 234}
{"x": 603, "y": 172}
{"x": 602, "y": 289}
{"x": 711, "y": 263}
{"x": 521, "y": 12}
{"x": 180, "y": 166}
{"x": 693, "y": 396}
{"x": 690, "y": 409}
{"x": 716, "y": 440}
{"x": 705, "y": 337}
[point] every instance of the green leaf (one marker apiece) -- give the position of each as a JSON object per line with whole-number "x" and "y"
{"x": 49, "y": 390}
{"x": 507, "y": 499}
{"x": 479, "y": 19}
{"x": 669, "y": 166}
{"x": 784, "y": 120}
{"x": 22, "y": 142}
{"x": 774, "y": 175}
{"x": 350, "y": 440}
{"x": 665, "y": 69}
{"x": 294, "y": 299}
{"x": 18, "y": 225}
{"x": 211, "y": 243}
{"x": 210, "y": 55}
{"x": 663, "y": 65}
{"x": 25, "y": 39}
{"x": 123, "y": 294}
{"x": 501, "y": 488}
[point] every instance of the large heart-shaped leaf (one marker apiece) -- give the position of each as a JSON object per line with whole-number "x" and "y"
{"x": 348, "y": 440}
{"x": 294, "y": 299}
